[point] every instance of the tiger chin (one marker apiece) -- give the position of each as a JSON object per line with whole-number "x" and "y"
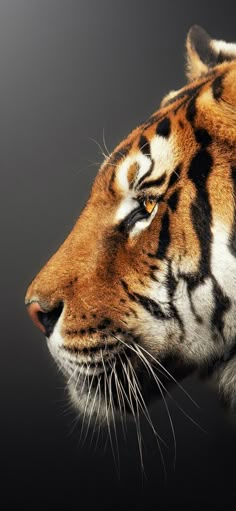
{"x": 142, "y": 293}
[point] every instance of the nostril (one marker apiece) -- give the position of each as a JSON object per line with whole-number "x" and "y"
{"x": 49, "y": 319}
{"x": 45, "y": 320}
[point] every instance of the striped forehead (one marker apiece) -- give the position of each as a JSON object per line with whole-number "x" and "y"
{"x": 150, "y": 162}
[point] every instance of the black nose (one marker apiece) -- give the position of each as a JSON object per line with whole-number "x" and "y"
{"x": 44, "y": 320}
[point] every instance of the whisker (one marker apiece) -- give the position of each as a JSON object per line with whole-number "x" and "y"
{"x": 132, "y": 348}
{"x": 113, "y": 417}
{"x": 163, "y": 397}
{"x": 160, "y": 384}
{"x": 97, "y": 417}
{"x": 181, "y": 409}
{"x": 120, "y": 397}
{"x": 106, "y": 387}
{"x": 76, "y": 421}
{"x": 136, "y": 415}
{"x": 104, "y": 143}
{"x": 169, "y": 374}
{"x": 144, "y": 406}
{"x": 86, "y": 406}
{"x": 91, "y": 413}
{"x": 72, "y": 376}
{"x": 100, "y": 147}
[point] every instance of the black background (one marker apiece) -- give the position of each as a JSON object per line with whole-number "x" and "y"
{"x": 70, "y": 70}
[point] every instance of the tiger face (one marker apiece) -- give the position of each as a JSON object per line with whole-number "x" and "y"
{"x": 142, "y": 292}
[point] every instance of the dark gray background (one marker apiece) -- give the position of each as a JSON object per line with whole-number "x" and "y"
{"x": 68, "y": 70}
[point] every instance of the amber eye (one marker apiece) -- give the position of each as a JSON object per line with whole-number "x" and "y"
{"x": 149, "y": 205}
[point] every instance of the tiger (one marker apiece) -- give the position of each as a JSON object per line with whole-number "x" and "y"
{"x": 142, "y": 293}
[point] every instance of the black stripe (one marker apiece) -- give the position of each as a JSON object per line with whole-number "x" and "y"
{"x": 217, "y": 87}
{"x": 191, "y": 285}
{"x": 164, "y": 237}
{"x": 163, "y": 128}
{"x": 147, "y": 174}
{"x": 180, "y": 104}
{"x": 198, "y": 172}
{"x": 152, "y": 307}
{"x": 191, "y": 109}
{"x": 147, "y": 303}
{"x": 192, "y": 281}
{"x": 156, "y": 117}
{"x": 224, "y": 57}
{"x": 222, "y": 305}
{"x": 155, "y": 182}
{"x": 110, "y": 186}
{"x": 187, "y": 93}
{"x": 144, "y": 146}
{"x": 173, "y": 200}
{"x": 203, "y": 137}
{"x": 152, "y": 256}
{"x": 175, "y": 176}
{"x": 117, "y": 156}
{"x": 172, "y": 283}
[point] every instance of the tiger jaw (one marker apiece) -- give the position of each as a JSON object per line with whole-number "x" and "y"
{"x": 91, "y": 376}
{"x": 116, "y": 378}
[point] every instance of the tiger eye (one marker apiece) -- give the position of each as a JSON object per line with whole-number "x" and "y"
{"x": 149, "y": 205}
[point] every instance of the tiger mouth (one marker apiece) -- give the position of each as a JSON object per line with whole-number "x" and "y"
{"x": 89, "y": 361}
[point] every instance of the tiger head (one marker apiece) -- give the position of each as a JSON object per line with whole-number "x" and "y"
{"x": 143, "y": 290}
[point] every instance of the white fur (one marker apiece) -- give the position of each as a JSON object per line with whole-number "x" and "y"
{"x": 224, "y": 270}
{"x": 126, "y": 206}
{"x": 143, "y": 164}
{"x": 222, "y": 46}
{"x": 198, "y": 335}
{"x": 143, "y": 224}
{"x": 163, "y": 154}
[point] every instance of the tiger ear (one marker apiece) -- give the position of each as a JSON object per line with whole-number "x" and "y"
{"x": 204, "y": 53}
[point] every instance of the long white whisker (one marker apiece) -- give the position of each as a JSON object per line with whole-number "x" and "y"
{"x": 169, "y": 374}
{"x": 148, "y": 365}
{"x": 100, "y": 147}
{"x": 104, "y": 143}
{"x": 77, "y": 381}
{"x": 149, "y": 419}
{"x": 72, "y": 376}
{"x": 113, "y": 417}
{"x": 147, "y": 415}
{"x": 91, "y": 413}
{"x": 135, "y": 415}
{"x": 85, "y": 378}
{"x": 86, "y": 406}
{"x": 143, "y": 405}
{"x": 180, "y": 407}
{"x": 97, "y": 417}
{"x": 120, "y": 397}
{"x": 125, "y": 394}
{"x": 106, "y": 387}
{"x": 163, "y": 397}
